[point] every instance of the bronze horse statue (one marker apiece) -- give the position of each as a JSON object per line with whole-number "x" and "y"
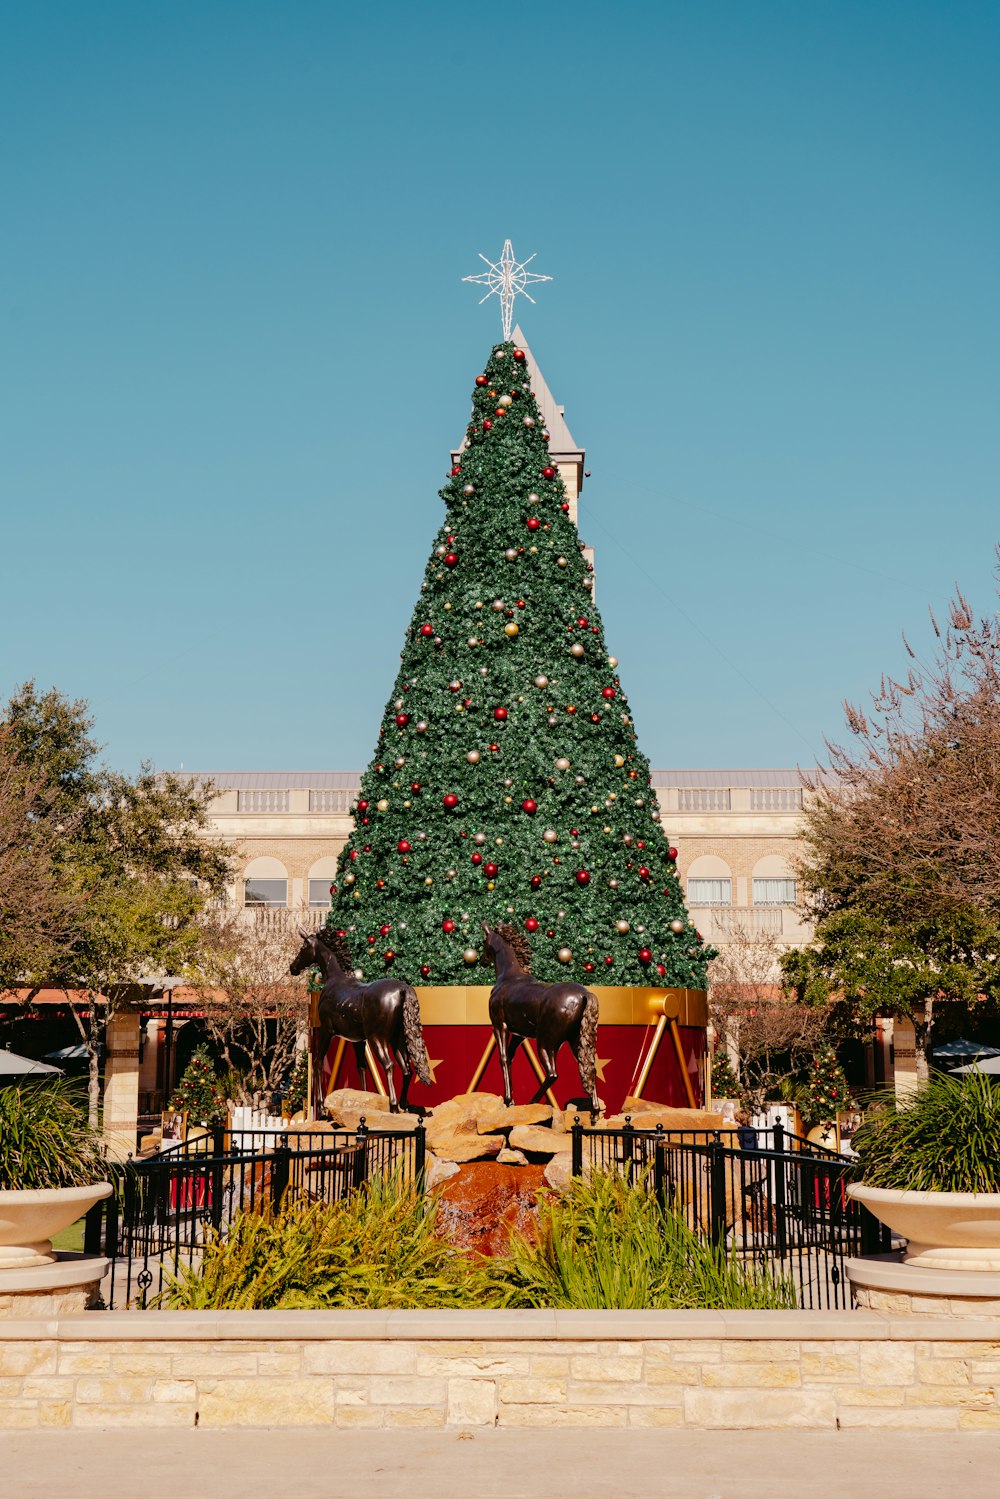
{"x": 550, "y": 1013}
{"x": 385, "y": 1014}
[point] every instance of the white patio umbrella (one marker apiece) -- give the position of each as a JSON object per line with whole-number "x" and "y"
{"x": 990, "y": 1065}
{"x": 11, "y": 1065}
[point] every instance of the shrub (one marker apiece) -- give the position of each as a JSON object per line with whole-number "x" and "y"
{"x": 45, "y": 1140}
{"x": 606, "y": 1243}
{"x": 944, "y": 1139}
{"x": 376, "y": 1248}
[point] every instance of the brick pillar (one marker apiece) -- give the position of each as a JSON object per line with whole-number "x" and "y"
{"x": 904, "y": 1046}
{"x": 121, "y": 1084}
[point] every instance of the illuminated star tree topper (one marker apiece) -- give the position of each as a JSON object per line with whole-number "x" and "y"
{"x": 507, "y": 280}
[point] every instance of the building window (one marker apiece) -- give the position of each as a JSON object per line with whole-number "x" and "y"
{"x": 319, "y": 893}
{"x": 271, "y": 893}
{"x": 767, "y": 892}
{"x": 710, "y": 892}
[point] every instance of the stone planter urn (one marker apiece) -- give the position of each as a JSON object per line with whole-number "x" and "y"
{"x": 29, "y": 1219}
{"x": 945, "y": 1230}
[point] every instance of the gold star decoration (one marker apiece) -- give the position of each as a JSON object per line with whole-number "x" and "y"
{"x": 432, "y": 1064}
{"x": 600, "y": 1063}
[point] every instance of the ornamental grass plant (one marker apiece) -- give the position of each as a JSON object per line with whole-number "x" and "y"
{"x": 606, "y": 1242}
{"x": 945, "y": 1139}
{"x": 45, "y": 1140}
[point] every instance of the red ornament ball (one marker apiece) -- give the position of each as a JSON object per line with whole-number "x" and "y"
{"x": 583, "y": 877}
{"x": 384, "y": 929}
{"x": 403, "y": 846}
{"x": 671, "y": 853}
{"x": 564, "y": 507}
{"x": 482, "y": 380}
{"x": 661, "y": 970}
{"x": 477, "y": 857}
{"x": 531, "y": 924}
{"x": 529, "y": 806}
{"x": 643, "y": 872}
{"x": 536, "y": 882}
{"x": 608, "y": 961}
{"x": 456, "y": 470}
{"x": 487, "y": 426}
{"x": 448, "y": 925}
{"x": 519, "y": 355}
{"x": 588, "y": 967}
{"x": 500, "y": 714}
{"x": 533, "y": 523}
{"x": 582, "y": 623}
{"x": 414, "y": 787}
{"x": 450, "y": 800}
{"x": 424, "y": 971}
{"x": 389, "y": 955}
{"x": 491, "y": 870}
{"x": 426, "y": 630}
{"x": 362, "y": 805}
{"x": 645, "y": 956}
{"x": 353, "y": 855}
{"x": 548, "y": 471}
{"x": 608, "y": 693}
{"x": 450, "y": 559}
{"x": 402, "y": 719}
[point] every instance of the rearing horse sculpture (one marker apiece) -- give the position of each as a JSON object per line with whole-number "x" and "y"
{"x": 385, "y": 1014}
{"x": 550, "y": 1013}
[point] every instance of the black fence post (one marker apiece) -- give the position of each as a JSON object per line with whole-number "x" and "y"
{"x": 779, "y": 1137}
{"x": 361, "y": 1153}
{"x": 780, "y": 1194}
{"x": 628, "y": 1148}
{"x": 577, "y": 1133}
{"x": 660, "y": 1167}
{"x": 875, "y": 1236}
{"x": 281, "y": 1162}
{"x": 420, "y": 1156}
{"x": 717, "y": 1191}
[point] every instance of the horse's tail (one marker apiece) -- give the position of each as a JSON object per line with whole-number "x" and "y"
{"x": 586, "y": 1055}
{"x": 414, "y": 1036}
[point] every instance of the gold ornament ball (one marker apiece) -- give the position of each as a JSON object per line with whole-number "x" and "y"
{"x": 677, "y": 926}
{"x": 562, "y": 763}
{"x": 529, "y": 421}
{"x": 479, "y": 838}
{"x": 565, "y": 955}
{"x": 612, "y": 662}
{"x": 577, "y": 650}
{"x": 473, "y": 757}
{"x": 561, "y": 562}
{"x": 550, "y": 835}
{"x": 506, "y": 401}
{"x": 622, "y": 927}
{"x": 421, "y": 726}
{"x": 541, "y": 681}
{"x": 619, "y": 761}
{"x": 383, "y": 805}
{"x": 510, "y": 553}
{"x": 511, "y": 630}
{"x": 450, "y": 874}
{"x": 470, "y": 955}
{"x": 349, "y": 878}
{"x": 428, "y": 880}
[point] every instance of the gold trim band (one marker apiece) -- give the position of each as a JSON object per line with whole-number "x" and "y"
{"x": 468, "y": 1004}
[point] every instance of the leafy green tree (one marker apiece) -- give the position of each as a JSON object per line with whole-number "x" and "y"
{"x": 902, "y": 839}
{"x": 135, "y": 851}
{"x": 507, "y": 784}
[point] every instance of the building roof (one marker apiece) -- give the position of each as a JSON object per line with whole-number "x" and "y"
{"x": 349, "y": 780}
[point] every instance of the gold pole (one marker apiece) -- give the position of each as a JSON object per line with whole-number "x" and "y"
{"x": 335, "y": 1069}
{"x": 678, "y": 1047}
{"x": 539, "y": 1073}
{"x": 311, "y": 1102}
{"x": 654, "y": 1047}
{"x": 477, "y": 1076}
{"x": 379, "y": 1085}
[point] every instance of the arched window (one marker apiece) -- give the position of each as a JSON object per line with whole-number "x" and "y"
{"x": 709, "y": 882}
{"x": 321, "y": 877}
{"x": 265, "y": 883}
{"x": 773, "y": 882}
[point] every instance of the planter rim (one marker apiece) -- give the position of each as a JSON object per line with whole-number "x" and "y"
{"x": 920, "y": 1198}
{"x": 95, "y": 1191}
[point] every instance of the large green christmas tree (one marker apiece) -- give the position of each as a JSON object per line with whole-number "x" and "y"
{"x": 507, "y": 784}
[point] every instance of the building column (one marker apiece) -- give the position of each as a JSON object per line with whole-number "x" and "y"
{"x": 121, "y": 1084}
{"x": 904, "y": 1050}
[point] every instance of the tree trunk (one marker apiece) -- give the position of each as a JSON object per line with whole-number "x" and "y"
{"x": 94, "y": 1068}
{"x": 923, "y": 1028}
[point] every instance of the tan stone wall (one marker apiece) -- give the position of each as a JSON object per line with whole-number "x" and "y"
{"x": 702, "y": 1371}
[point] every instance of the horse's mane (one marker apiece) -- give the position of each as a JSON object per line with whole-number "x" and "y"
{"x": 337, "y": 945}
{"x": 517, "y": 942}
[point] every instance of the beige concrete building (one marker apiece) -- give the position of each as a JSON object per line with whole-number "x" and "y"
{"x": 736, "y": 832}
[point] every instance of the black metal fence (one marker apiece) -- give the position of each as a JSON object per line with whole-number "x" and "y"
{"x": 162, "y": 1209}
{"x": 769, "y": 1195}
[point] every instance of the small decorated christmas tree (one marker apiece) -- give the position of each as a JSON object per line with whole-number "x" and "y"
{"x": 507, "y": 784}
{"x": 725, "y": 1083}
{"x": 198, "y": 1091}
{"x": 826, "y": 1092}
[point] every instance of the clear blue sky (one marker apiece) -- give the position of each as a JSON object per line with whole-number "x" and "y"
{"x": 236, "y": 348}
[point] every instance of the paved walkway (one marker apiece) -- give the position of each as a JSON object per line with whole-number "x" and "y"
{"x": 564, "y": 1464}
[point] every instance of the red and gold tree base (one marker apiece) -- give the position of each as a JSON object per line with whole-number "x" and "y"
{"x": 651, "y": 1043}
